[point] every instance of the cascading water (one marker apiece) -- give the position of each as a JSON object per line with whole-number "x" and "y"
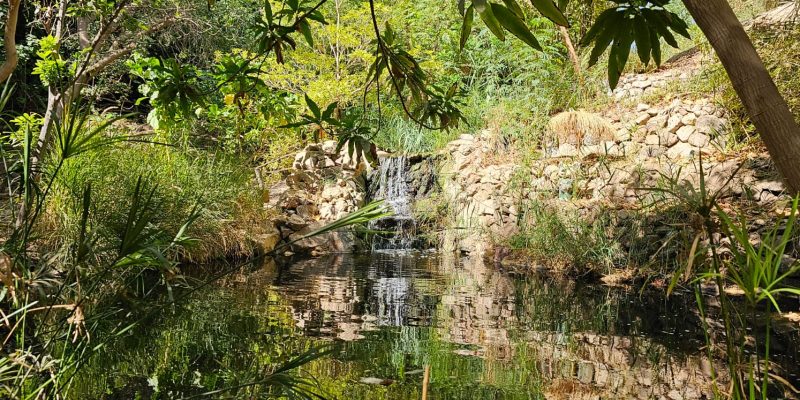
{"x": 398, "y": 231}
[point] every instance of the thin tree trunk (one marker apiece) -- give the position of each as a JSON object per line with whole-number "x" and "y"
{"x": 751, "y": 80}
{"x": 9, "y": 42}
{"x": 573, "y": 55}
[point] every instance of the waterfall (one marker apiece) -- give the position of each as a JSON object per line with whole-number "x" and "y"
{"x": 399, "y": 230}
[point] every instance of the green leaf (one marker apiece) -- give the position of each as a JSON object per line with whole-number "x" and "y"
{"x": 623, "y": 46}
{"x": 329, "y": 111}
{"x": 655, "y": 46}
{"x": 614, "y": 72}
{"x": 514, "y": 7}
{"x": 313, "y": 107}
{"x": 305, "y": 29}
{"x": 601, "y": 44}
{"x": 490, "y": 20}
{"x": 480, "y": 5}
{"x": 642, "y": 35}
{"x": 549, "y": 9}
{"x": 466, "y": 27}
{"x": 654, "y": 19}
{"x": 599, "y": 25}
{"x": 679, "y": 25}
{"x": 516, "y": 26}
{"x": 268, "y": 11}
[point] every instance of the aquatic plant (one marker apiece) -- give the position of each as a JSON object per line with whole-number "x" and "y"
{"x": 722, "y": 252}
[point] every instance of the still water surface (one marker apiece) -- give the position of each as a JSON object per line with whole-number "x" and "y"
{"x": 483, "y": 333}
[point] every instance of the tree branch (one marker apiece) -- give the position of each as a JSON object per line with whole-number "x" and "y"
{"x": 133, "y": 43}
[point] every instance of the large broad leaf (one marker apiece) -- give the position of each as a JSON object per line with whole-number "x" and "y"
{"x": 313, "y": 107}
{"x": 485, "y": 11}
{"x": 642, "y": 36}
{"x": 305, "y": 29}
{"x": 549, "y": 9}
{"x": 466, "y": 27}
{"x": 514, "y": 7}
{"x": 515, "y": 25}
{"x": 629, "y": 23}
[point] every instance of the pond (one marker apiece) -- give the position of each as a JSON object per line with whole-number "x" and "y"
{"x": 481, "y": 332}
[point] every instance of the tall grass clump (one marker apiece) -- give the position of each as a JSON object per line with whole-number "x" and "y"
{"x": 552, "y": 237}
{"x": 219, "y": 184}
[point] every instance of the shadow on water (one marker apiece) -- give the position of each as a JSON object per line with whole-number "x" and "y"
{"x": 484, "y": 334}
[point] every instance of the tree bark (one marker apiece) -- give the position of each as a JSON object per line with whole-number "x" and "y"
{"x": 9, "y": 41}
{"x": 751, "y": 80}
{"x": 573, "y": 56}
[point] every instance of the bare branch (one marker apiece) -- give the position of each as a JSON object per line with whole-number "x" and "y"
{"x": 133, "y": 42}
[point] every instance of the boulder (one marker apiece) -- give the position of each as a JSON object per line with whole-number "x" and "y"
{"x": 685, "y": 132}
{"x": 667, "y": 139}
{"x": 681, "y": 150}
{"x": 329, "y": 147}
{"x": 698, "y": 139}
{"x": 674, "y": 123}
{"x": 689, "y": 119}
{"x": 709, "y": 124}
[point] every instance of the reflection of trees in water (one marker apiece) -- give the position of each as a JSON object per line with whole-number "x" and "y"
{"x": 580, "y": 341}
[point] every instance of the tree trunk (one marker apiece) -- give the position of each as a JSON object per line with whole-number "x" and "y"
{"x": 573, "y": 56}
{"x": 9, "y": 42}
{"x": 751, "y": 80}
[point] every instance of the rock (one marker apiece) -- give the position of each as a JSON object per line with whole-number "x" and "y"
{"x": 326, "y": 211}
{"x": 681, "y": 150}
{"x": 685, "y": 132}
{"x": 667, "y": 139}
{"x": 675, "y": 395}
{"x": 566, "y": 150}
{"x": 269, "y": 241}
{"x": 642, "y": 83}
{"x": 307, "y": 211}
{"x": 709, "y": 124}
{"x": 642, "y": 118}
{"x": 611, "y": 149}
{"x": 674, "y": 123}
{"x": 296, "y": 223}
{"x": 622, "y": 135}
{"x": 652, "y": 140}
{"x": 651, "y": 151}
{"x": 774, "y": 187}
{"x": 656, "y": 123}
{"x": 642, "y": 107}
{"x": 698, "y": 139}
{"x": 277, "y": 192}
{"x": 689, "y": 119}
{"x": 329, "y": 147}
{"x": 466, "y": 137}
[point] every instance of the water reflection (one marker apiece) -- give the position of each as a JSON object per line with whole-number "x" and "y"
{"x": 484, "y": 333}
{"x": 584, "y": 341}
